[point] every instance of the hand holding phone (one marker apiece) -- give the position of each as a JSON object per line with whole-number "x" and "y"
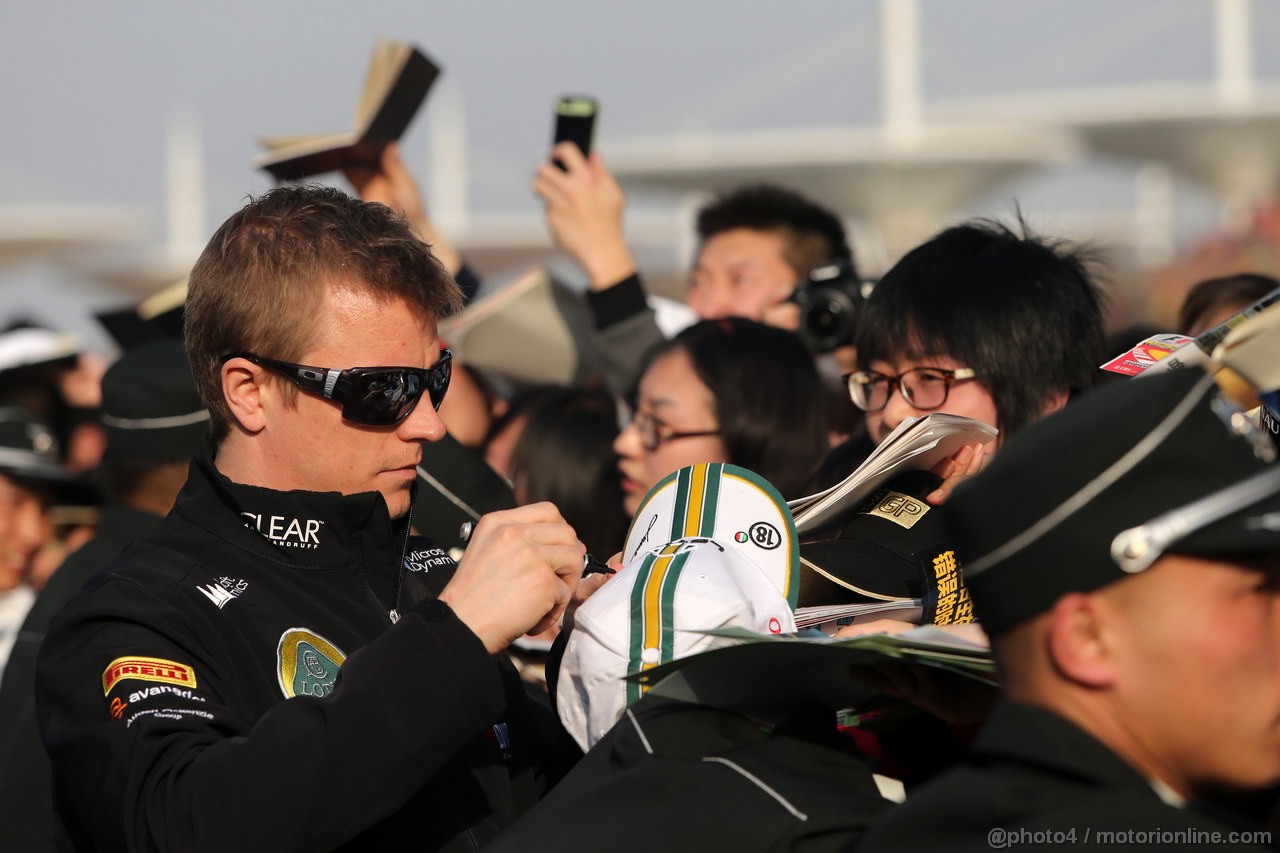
{"x": 575, "y": 122}
{"x": 584, "y": 202}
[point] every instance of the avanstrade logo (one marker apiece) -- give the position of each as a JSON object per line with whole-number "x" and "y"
{"x": 284, "y": 531}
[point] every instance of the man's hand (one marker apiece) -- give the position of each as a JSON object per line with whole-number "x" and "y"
{"x": 521, "y": 569}
{"x": 784, "y": 314}
{"x": 584, "y": 211}
{"x": 390, "y": 183}
{"x": 588, "y": 587}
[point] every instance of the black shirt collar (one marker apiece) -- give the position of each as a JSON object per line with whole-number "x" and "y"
{"x": 1036, "y": 736}
{"x": 300, "y": 529}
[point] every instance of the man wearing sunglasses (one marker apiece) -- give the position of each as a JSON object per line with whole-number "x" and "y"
{"x": 284, "y": 666}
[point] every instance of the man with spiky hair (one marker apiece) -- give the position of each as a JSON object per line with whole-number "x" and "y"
{"x": 981, "y": 320}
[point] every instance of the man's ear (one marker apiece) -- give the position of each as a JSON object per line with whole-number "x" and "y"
{"x": 244, "y": 389}
{"x": 1082, "y": 640}
{"x": 1055, "y": 401}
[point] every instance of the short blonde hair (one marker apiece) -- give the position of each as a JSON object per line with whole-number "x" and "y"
{"x": 261, "y": 282}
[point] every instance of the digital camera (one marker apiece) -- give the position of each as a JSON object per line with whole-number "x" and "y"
{"x": 829, "y": 299}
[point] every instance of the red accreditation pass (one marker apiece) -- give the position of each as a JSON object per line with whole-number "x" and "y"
{"x": 1145, "y": 354}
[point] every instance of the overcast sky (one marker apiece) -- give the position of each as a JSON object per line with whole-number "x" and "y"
{"x": 86, "y": 87}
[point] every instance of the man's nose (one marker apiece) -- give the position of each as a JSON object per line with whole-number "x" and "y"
{"x": 31, "y": 528}
{"x": 423, "y": 424}
{"x": 712, "y": 301}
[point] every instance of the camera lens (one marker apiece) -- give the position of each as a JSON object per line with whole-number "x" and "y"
{"x": 827, "y": 318}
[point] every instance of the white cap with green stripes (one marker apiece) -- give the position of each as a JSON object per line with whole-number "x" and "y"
{"x": 712, "y": 546}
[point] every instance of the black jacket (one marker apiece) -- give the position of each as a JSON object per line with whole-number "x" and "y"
{"x": 673, "y": 776}
{"x": 1034, "y": 781}
{"x": 26, "y": 785}
{"x": 161, "y": 687}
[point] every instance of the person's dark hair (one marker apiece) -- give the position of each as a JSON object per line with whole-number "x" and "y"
{"x": 1021, "y": 310}
{"x": 814, "y": 235}
{"x": 769, "y": 403}
{"x": 565, "y": 455}
{"x": 1234, "y": 291}
{"x": 134, "y": 482}
{"x": 261, "y": 283}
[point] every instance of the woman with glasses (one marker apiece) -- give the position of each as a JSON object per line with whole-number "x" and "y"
{"x": 728, "y": 390}
{"x": 980, "y": 321}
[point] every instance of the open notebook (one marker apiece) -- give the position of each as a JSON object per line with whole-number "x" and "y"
{"x": 917, "y": 443}
{"x": 395, "y": 86}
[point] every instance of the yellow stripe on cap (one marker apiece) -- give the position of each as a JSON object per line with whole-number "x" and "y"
{"x": 697, "y": 495}
{"x": 652, "y": 618}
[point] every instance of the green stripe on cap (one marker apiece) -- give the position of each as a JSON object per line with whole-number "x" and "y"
{"x": 646, "y": 610}
{"x": 710, "y": 499}
{"x": 667, "y": 612}
{"x": 681, "y": 507}
{"x": 636, "y": 640}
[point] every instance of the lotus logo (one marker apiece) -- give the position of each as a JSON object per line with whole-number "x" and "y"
{"x": 312, "y": 663}
{"x": 307, "y": 664}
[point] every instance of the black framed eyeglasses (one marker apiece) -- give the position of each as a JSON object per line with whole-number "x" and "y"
{"x": 374, "y": 396}
{"x": 924, "y": 388}
{"x": 654, "y": 433}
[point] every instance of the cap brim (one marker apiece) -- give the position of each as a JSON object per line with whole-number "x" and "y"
{"x": 1252, "y": 530}
{"x": 68, "y": 489}
{"x": 1242, "y": 518}
{"x": 862, "y": 566}
{"x": 156, "y": 445}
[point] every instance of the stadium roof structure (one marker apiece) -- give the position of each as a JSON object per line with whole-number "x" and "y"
{"x": 908, "y": 173}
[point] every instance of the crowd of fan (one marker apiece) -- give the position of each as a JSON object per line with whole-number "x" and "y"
{"x": 985, "y": 320}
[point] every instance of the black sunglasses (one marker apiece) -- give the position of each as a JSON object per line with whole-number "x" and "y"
{"x": 374, "y": 396}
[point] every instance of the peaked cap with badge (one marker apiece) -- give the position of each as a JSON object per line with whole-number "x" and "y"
{"x": 29, "y": 454}
{"x": 1105, "y": 487}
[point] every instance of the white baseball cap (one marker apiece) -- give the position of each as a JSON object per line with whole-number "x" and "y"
{"x": 712, "y": 546}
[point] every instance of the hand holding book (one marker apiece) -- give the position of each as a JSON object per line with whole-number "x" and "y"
{"x": 395, "y": 86}
{"x": 389, "y": 182}
{"x": 935, "y": 442}
{"x": 954, "y": 470}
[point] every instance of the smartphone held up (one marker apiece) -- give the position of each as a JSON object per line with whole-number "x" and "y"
{"x": 575, "y": 122}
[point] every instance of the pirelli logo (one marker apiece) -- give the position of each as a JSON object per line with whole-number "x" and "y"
{"x": 146, "y": 669}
